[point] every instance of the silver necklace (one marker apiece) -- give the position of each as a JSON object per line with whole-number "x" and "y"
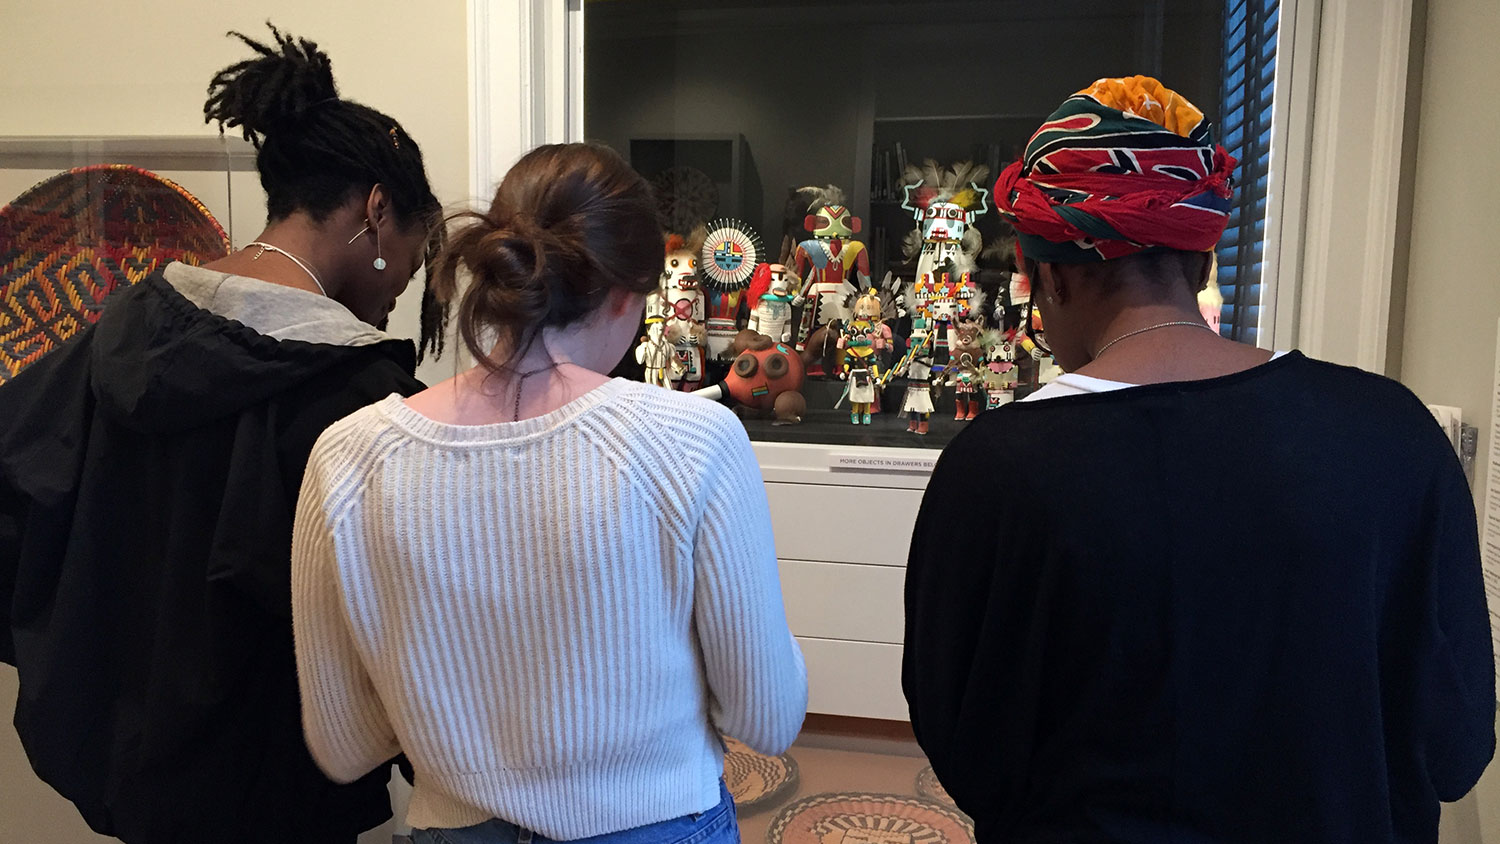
{"x": 1106, "y": 346}
{"x": 266, "y": 247}
{"x": 520, "y": 383}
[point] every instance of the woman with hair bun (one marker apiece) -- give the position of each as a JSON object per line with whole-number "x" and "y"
{"x": 552, "y": 590}
{"x": 148, "y": 473}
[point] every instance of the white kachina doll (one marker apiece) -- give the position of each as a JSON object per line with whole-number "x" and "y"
{"x": 965, "y": 372}
{"x": 862, "y": 340}
{"x": 685, "y": 328}
{"x": 945, "y": 203}
{"x": 770, "y": 299}
{"x": 654, "y": 353}
{"x": 832, "y": 265}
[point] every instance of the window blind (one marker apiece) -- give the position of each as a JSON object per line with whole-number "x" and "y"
{"x": 1249, "y": 74}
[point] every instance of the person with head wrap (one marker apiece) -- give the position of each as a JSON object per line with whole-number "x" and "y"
{"x": 1240, "y": 598}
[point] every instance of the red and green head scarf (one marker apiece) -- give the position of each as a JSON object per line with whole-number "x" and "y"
{"x": 1123, "y": 166}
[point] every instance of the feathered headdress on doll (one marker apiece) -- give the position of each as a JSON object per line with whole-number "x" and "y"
{"x": 884, "y": 294}
{"x": 823, "y": 196}
{"x": 760, "y": 280}
{"x": 760, "y": 283}
{"x": 690, "y": 242}
{"x": 931, "y": 182}
{"x": 959, "y": 184}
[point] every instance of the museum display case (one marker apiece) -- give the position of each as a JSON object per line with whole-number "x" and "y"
{"x": 825, "y": 172}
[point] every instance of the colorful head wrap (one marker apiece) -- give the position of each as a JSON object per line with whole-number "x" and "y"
{"x": 1123, "y": 166}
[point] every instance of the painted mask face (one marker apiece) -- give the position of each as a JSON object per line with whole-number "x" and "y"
{"x": 761, "y": 374}
{"x": 832, "y": 221}
{"x": 781, "y": 285}
{"x": 944, "y": 221}
{"x": 680, "y": 270}
{"x": 944, "y": 309}
{"x": 867, "y": 307}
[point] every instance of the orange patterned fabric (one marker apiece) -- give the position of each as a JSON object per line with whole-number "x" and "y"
{"x": 1142, "y": 96}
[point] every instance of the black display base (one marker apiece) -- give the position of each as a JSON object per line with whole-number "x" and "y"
{"x": 824, "y": 425}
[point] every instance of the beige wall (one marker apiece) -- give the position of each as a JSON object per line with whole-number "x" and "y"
{"x": 143, "y": 68}
{"x": 1453, "y": 288}
{"x": 71, "y": 67}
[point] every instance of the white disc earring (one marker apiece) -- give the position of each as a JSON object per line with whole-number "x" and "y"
{"x": 379, "y": 261}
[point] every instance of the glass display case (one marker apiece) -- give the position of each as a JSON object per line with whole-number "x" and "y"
{"x": 855, "y": 146}
{"x": 217, "y": 172}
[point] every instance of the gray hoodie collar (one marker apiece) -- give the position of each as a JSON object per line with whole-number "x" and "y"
{"x": 275, "y": 310}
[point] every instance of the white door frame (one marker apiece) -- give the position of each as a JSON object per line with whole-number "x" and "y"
{"x": 1345, "y": 256}
{"x": 525, "y": 82}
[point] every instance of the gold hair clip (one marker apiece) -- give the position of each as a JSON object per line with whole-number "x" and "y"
{"x": 395, "y": 141}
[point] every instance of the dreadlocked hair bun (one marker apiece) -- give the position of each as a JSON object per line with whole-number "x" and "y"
{"x": 569, "y": 223}
{"x": 287, "y": 77}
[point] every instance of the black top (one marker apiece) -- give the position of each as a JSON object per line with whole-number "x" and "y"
{"x": 1246, "y": 609}
{"x": 149, "y": 472}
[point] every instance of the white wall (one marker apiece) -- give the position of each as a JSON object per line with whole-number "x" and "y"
{"x": 1453, "y": 286}
{"x": 72, "y": 67}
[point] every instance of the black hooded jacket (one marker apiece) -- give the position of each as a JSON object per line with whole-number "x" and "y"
{"x": 148, "y": 478}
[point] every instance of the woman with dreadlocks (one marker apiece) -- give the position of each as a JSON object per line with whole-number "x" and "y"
{"x": 149, "y": 472}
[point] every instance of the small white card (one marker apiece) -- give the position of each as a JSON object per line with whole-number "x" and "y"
{"x": 881, "y": 463}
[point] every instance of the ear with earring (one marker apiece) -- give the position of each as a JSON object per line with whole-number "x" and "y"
{"x": 379, "y": 260}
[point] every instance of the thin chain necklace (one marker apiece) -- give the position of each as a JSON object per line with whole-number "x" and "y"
{"x": 1106, "y": 346}
{"x": 266, "y": 247}
{"x": 520, "y": 383}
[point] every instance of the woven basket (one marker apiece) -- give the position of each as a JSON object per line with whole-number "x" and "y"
{"x": 76, "y": 237}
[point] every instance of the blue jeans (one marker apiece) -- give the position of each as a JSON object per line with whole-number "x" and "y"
{"x": 715, "y": 826}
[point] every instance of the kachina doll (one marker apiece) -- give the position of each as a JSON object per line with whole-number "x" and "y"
{"x": 1002, "y": 373}
{"x": 997, "y": 393}
{"x": 945, "y": 203}
{"x": 862, "y": 341}
{"x": 770, "y": 299}
{"x": 727, "y": 260}
{"x": 1211, "y": 300}
{"x": 1034, "y": 343}
{"x": 655, "y": 353}
{"x": 832, "y": 265}
{"x": 965, "y": 372}
{"x": 686, "y": 200}
{"x": 916, "y": 368}
{"x": 941, "y": 301}
{"x": 685, "y": 328}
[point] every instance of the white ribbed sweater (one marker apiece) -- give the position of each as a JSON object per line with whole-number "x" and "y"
{"x": 549, "y": 617}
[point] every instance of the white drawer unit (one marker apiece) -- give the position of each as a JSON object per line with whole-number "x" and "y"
{"x": 842, "y": 601}
{"x": 843, "y": 519}
{"x": 845, "y": 524}
{"x": 857, "y": 679}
